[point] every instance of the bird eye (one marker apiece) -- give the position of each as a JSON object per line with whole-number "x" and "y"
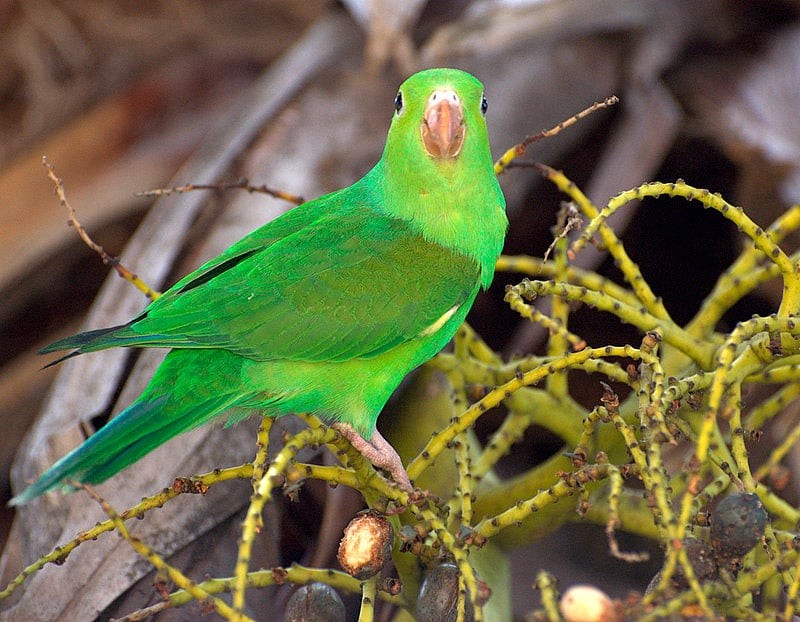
{"x": 484, "y": 104}
{"x": 398, "y": 103}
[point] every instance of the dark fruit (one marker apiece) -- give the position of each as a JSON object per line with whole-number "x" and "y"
{"x": 701, "y": 557}
{"x": 703, "y": 562}
{"x": 316, "y": 602}
{"x": 438, "y": 596}
{"x": 737, "y": 525}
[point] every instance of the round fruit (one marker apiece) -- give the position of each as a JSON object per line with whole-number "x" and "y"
{"x": 315, "y": 602}
{"x": 737, "y": 525}
{"x": 438, "y": 596}
{"x": 366, "y": 545}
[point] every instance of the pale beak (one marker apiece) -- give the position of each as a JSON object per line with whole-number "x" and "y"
{"x": 443, "y": 125}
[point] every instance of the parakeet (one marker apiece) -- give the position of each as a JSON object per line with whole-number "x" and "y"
{"x": 327, "y": 308}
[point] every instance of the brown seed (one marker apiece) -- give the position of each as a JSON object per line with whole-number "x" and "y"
{"x": 366, "y": 545}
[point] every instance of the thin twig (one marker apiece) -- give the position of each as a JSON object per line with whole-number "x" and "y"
{"x": 571, "y": 221}
{"x": 175, "y": 575}
{"x": 519, "y": 149}
{"x": 242, "y": 184}
{"x": 107, "y": 259}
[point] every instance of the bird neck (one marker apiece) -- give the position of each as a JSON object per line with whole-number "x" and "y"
{"x": 456, "y": 203}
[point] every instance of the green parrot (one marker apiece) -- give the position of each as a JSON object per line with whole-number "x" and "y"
{"x": 325, "y": 309}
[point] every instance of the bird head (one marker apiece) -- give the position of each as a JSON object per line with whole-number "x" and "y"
{"x": 436, "y": 171}
{"x": 439, "y": 116}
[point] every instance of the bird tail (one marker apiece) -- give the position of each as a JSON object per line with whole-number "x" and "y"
{"x": 102, "y": 339}
{"x": 172, "y": 404}
{"x": 86, "y": 342}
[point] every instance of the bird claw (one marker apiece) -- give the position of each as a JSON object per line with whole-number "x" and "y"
{"x": 379, "y": 452}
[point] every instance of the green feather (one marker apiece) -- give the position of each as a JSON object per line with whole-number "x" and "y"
{"x": 324, "y": 309}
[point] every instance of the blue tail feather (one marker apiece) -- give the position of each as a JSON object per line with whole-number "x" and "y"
{"x": 82, "y": 341}
{"x": 135, "y": 432}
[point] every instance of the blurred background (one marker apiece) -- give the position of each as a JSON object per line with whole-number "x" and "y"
{"x": 125, "y": 96}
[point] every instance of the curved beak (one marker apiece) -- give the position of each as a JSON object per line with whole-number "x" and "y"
{"x": 443, "y": 124}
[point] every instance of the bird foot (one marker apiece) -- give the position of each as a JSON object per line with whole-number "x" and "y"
{"x": 379, "y": 452}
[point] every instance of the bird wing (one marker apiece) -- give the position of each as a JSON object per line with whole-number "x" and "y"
{"x": 341, "y": 285}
